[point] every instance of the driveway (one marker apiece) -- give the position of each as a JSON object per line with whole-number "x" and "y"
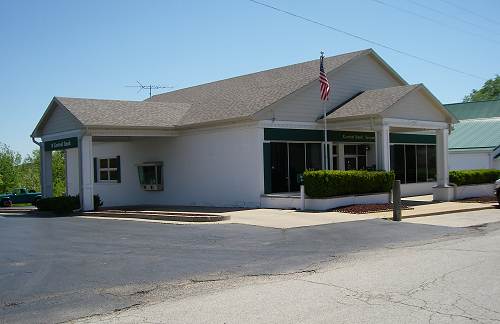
{"x": 59, "y": 269}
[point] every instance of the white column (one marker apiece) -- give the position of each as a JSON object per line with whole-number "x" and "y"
{"x": 46, "y": 172}
{"x": 442, "y": 157}
{"x": 383, "y": 148}
{"x": 341, "y": 157}
{"x": 442, "y": 192}
{"x": 86, "y": 173}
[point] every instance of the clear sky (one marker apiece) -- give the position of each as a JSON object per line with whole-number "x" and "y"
{"x": 93, "y": 48}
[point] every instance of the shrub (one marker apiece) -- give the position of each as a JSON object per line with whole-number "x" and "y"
{"x": 330, "y": 183}
{"x": 468, "y": 177}
{"x": 97, "y": 202}
{"x": 59, "y": 205}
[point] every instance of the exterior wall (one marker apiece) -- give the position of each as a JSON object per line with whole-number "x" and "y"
{"x": 219, "y": 167}
{"x": 468, "y": 160}
{"x": 60, "y": 120}
{"x": 294, "y": 202}
{"x": 364, "y": 73}
{"x": 417, "y": 189}
{"x": 72, "y": 175}
{"x": 415, "y": 106}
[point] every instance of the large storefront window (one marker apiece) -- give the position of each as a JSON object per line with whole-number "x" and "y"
{"x": 414, "y": 162}
{"x": 289, "y": 161}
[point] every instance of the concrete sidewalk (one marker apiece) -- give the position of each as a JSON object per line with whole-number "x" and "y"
{"x": 286, "y": 218}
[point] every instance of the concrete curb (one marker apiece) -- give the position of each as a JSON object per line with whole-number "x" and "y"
{"x": 451, "y": 211}
{"x": 16, "y": 210}
{"x": 181, "y": 217}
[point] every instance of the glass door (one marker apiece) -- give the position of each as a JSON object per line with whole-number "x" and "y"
{"x": 279, "y": 167}
{"x": 297, "y": 164}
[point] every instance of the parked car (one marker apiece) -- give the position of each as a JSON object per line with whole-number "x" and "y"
{"x": 497, "y": 190}
{"x": 5, "y": 202}
{"x": 20, "y": 196}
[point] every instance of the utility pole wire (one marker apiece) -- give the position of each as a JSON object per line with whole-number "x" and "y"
{"x": 369, "y": 41}
{"x": 470, "y": 11}
{"x": 451, "y": 16}
{"x": 435, "y": 21}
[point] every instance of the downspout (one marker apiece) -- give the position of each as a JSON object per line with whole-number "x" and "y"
{"x": 40, "y": 171}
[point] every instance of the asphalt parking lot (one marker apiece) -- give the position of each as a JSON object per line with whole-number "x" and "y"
{"x": 63, "y": 268}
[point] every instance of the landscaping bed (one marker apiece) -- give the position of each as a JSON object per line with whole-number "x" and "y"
{"x": 369, "y": 208}
{"x": 484, "y": 200}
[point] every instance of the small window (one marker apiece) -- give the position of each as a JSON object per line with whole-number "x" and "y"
{"x": 108, "y": 170}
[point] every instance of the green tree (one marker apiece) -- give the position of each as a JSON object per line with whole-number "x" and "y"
{"x": 58, "y": 173}
{"x": 489, "y": 91}
{"x": 9, "y": 171}
{"x": 30, "y": 171}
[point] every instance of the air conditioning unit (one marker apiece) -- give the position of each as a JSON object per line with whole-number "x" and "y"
{"x": 151, "y": 176}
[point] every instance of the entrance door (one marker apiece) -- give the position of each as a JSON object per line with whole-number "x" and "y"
{"x": 279, "y": 167}
{"x": 297, "y": 164}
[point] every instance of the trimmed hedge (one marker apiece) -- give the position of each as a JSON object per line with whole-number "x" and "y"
{"x": 64, "y": 204}
{"x": 330, "y": 183}
{"x": 59, "y": 205}
{"x": 469, "y": 177}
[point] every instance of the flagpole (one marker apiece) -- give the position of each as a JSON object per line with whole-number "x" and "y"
{"x": 325, "y": 154}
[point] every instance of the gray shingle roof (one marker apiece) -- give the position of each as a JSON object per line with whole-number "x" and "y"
{"x": 245, "y": 95}
{"x": 372, "y": 102}
{"x": 120, "y": 113}
{"x": 235, "y": 98}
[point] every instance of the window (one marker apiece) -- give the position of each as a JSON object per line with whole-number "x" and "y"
{"x": 413, "y": 163}
{"x": 288, "y": 162}
{"x": 150, "y": 176}
{"x": 355, "y": 156}
{"x": 108, "y": 170}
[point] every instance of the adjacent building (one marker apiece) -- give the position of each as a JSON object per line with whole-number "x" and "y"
{"x": 474, "y": 142}
{"x": 235, "y": 141}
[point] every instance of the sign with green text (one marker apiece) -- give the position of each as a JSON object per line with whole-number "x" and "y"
{"x": 61, "y": 144}
{"x": 338, "y": 136}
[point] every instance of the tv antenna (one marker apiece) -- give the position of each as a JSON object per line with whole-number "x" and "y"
{"x": 148, "y": 87}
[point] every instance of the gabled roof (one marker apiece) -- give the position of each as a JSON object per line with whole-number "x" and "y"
{"x": 476, "y": 109}
{"x": 475, "y": 133}
{"x": 371, "y": 102}
{"x": 121, "y": 113}
{"x": 116, "y": 113}
{"x": 245, "y": 95}
{"x": 231, "y": 99}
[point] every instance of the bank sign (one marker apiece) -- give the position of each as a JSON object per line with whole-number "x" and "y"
{"x": 61, "y": 144}
{"x": 338, "y": 136}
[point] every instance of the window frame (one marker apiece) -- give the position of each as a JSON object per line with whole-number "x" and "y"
{"x": 108, "y": 169}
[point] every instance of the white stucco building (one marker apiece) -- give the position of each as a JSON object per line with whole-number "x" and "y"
{"x": 231, "y": 142}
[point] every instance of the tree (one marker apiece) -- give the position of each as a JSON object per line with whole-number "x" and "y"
{"x": 30, "y": 171}
{"x": 489, "y": 91}
{"x": 9, "y": 171}
{"x": 17, "y": 172}
{"x": 58, "y": 173}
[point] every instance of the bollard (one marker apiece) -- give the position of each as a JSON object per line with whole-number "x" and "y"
{"x": 396, "y": 201}
{"x": 302, "y": 198}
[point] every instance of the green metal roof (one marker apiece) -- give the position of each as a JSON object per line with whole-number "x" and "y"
{"x": 475, "y": 133}
{"x": 477, "y": 109}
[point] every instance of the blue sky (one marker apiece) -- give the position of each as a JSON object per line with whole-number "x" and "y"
{"x": 92, "y": 49}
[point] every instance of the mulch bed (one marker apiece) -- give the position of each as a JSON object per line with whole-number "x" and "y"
{"x": 484, "y": 200}
{"x": 370, "y": 208}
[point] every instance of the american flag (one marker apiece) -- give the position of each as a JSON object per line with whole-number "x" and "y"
{"x": 324, "y": 85}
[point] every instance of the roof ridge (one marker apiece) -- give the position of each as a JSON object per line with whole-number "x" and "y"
{"x": 470, "y": 102}
{"x": 358, "y": 53}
